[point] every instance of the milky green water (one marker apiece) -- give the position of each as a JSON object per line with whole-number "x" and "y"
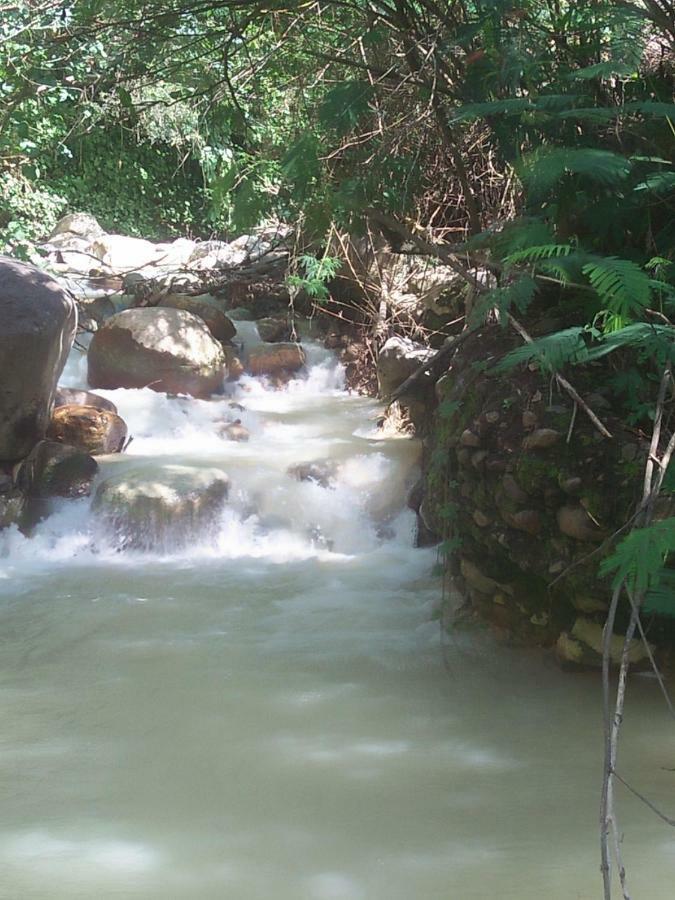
{"x": 273, "y": 714}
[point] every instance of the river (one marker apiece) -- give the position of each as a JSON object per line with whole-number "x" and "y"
{"x": 270, "y": 711}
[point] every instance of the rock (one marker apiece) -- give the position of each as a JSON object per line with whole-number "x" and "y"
{"x": 75, "y": 397}
{"x": 529, "y": 420}
{"x": 164, "y": 349}
{"x": 583, "y": 646}
{"x": 513, "y": 490}
{"x": 121, "y": 253}
{"x": 216, "y": 255}
{"x": 272, "y": 330}
{"x": 575, "y": 522}
{"x": 54, "y": 469}
{"x": 87, "y": 428}
{"x": 398, "y": 359}
{"x": 174, "y": 254}
{"x": 12, "y": 503}
{"x": 469, "y": 439}
{"x": 235, "y": 367}
{"x": 527, "y": 520}
{"x": 571, "y": 484}
{"x": 78, "y": 223}
{"x": 240, "y": 314}
{"x": 220, "y": 326}
{"x": 153, "y": 508}
{"x": 38, "y": 326}
{"x": 481, "y": 519}
{"x": 320, "y": 471}
{"x": 235, "y": 431}
{"x": 480, "y": 582}
{"x": 275, "y": 360}
{"x": 541, "y": 439}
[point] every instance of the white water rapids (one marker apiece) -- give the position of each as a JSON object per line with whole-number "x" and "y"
{"x": 271, "y": 713}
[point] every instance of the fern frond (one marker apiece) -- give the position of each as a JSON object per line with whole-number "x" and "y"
{"x": 517, "y": 295}
{"x": 542, "y": 170}
{"x": 640, "y": 557}
{"x": 622, "y": 286}
{"x": 607, "y": 69}
{"x": 536, "y": 253}
{"x": 552, "y": 351}
{"x": 510, "y": 107}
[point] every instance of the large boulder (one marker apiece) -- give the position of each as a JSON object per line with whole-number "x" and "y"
{"x": 153, "y": 508}
{"x": 90, "y": 429}
{"x": 56, "y": 470}
{"x": 38, "y": 326}
{"x": 124, "y": 254}
{"x": 220, "y": 326}
{"x": 164, "y": 349}
{"x": 398, "y": 359}
{"x": 275, "y": 360}
{"x": 82, "y": 225}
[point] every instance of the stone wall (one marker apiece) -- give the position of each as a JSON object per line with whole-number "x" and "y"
{"x": 524, "y": 491}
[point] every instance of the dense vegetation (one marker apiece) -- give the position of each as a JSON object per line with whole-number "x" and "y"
{"x": 532, "y": 138}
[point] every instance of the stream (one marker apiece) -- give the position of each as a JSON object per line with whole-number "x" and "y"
{"x": 270, "y": 711}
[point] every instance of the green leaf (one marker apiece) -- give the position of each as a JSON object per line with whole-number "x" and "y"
{"x": 639, "y": 559}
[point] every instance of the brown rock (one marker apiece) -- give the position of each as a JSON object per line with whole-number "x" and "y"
{"x": 275, "y": 359}
{"x": 235, "y": 367}
{"x": 527, "y": 520}
{"x": 575, "y": 522}
{"x": 235, "y": 431}
{"x": 469, "y": 439}
{"x": 74, "y": 397}
{"x": 541, "y": 439}
{"x": 513, "y": 490}
{"x": 86, "y": 428}
{"x": 481, "y": 519}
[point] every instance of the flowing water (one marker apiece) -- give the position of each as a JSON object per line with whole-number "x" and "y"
{"x": 270, "y": 712}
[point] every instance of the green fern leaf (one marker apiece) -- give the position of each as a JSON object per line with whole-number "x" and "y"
{"x": 639, "y": 559}
{"x": 542, "y": 170}
{"x": 623, "y": 287}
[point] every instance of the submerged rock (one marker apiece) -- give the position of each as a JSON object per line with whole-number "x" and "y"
{"x": 53, "y": 469}
{"x": 320, "y": 471}
{"x": 159, "y": 508}
{"x": 235, "y": 431}
{"x": 38, "y": 326}
{"x": 90, "y": 429}
{"x": 164, "y": 349}
{"x": 582, "y": 647}
{"x": 276, "y": 360}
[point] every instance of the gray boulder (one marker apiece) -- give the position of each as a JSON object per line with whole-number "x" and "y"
{"x": 398, "y": 359}
{"x": 82, "y": 225}
{"x": 164, "y": 349}
{"x": 38, "y": 326}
